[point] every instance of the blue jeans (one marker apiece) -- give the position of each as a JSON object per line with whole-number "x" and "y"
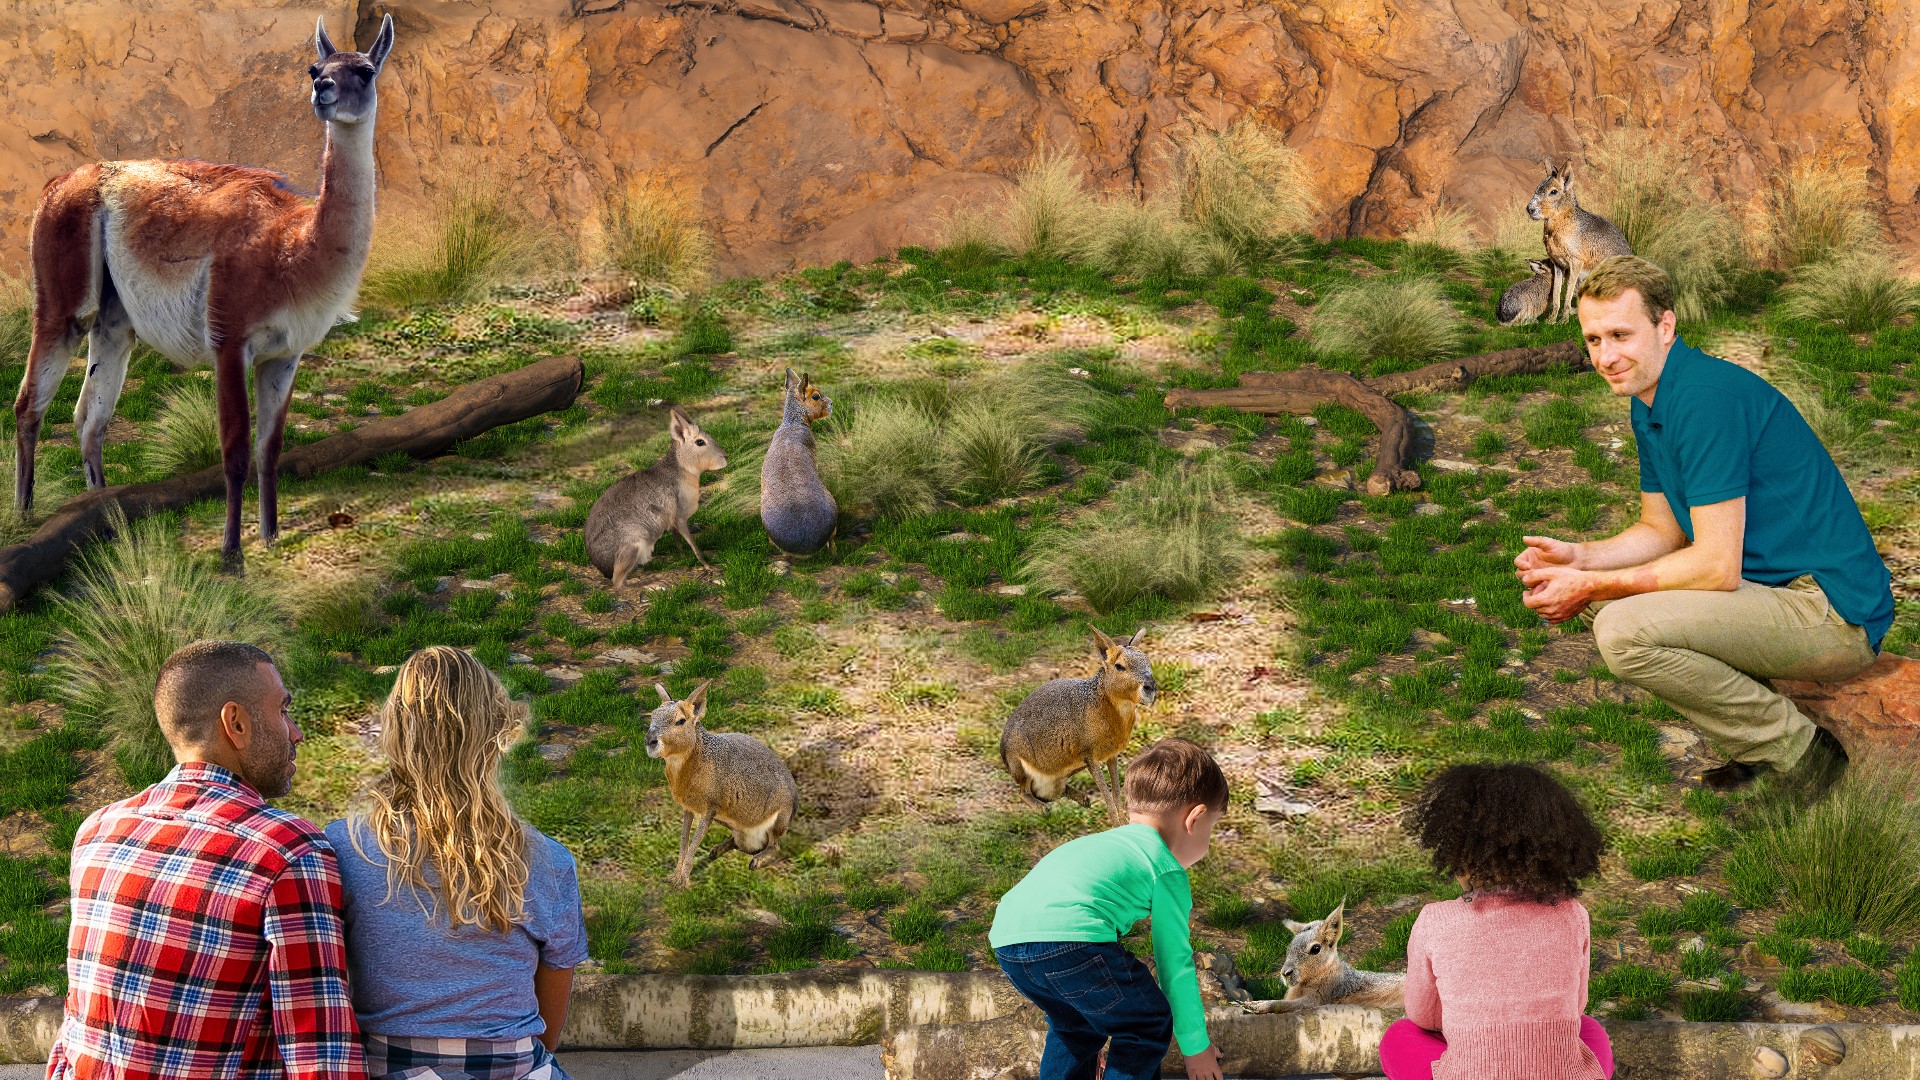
{"x": 1092, "y": 991}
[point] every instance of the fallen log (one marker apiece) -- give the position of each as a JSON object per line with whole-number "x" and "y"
{"x": 421, "y": 432}
{"x": 1305, "y": 389}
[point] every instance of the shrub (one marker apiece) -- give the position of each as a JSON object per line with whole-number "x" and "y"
{"x": 1702, "y": 911}
{"x": 1047, "y": 209}
{"x": 1403, "y": 319}
{"x": 1134, "y": 238}
{"x": 1855, "y": 854}
{"x": 1869, "y": 950}
{"x": 1815, "y": 207}
{"x": 916, "y": 923}
{"x": 651, "y": 234}
{"x": 1166, "y": 535}
{"x": 885, "y": 458}
{"x": 1857, "y": 292}
{"x": 1700, "y": 964}
{"x": 134, "y": 600}
{"x": 1645, "y": 181}
{"x": 1244, "y": 187}
{"x": 185, "y": 436}
{"x": 452, "y": 253}
{"x": 994, "y": 440}
{"x": 1443, "y": 226}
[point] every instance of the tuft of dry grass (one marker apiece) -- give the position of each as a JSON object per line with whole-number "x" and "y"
{"x": 16, "y": 318}
{"x": 185, "y": 436}
{"x": 1859, "y": 290}
{"x": 1244, "y": 187}
{"x": 1445, "y": 226}
{"x": 1388, "y": 318}
{"x": 1646, "y": 182}
{"x": 1139, "y": 238}
{"x": 884, "y": 457}
{"x": 1047, "y": 209}
{"x": 1815, "y": 207}
{"x": 650, "y": 233}
{"x": 472, "y": 239}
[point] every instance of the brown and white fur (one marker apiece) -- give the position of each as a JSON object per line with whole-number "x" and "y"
{"x": 630, "y": 517}
{"x": 1317, "y": 976}
{"x": 1577, "y": 240}
{"x": 1073, "y": 724}
{"x": 205, "y": 263}
{"x": 725, "y": 776}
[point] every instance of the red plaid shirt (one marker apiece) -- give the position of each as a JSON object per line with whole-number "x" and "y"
{"x": 206, "y": 941}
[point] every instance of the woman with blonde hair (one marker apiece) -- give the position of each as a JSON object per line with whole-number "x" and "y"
{"x": 463, "y": 922}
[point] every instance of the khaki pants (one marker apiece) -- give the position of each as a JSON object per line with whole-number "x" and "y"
{"x": 1707, "y": 654}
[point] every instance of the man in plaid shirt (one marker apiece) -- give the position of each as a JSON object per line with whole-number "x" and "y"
{"x": 206, "y": 941}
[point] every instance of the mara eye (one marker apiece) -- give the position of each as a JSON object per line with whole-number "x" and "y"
{"x": 1120, "y": 667}
{"x": 683, "y": 720}
{"x": 699, "y": 442}
{"x": 1315, "y": 951}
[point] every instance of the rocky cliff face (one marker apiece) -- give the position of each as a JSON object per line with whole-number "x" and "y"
{"x": 822, "y": 129}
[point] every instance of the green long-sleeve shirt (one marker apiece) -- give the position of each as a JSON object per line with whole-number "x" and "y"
{"x": 1094, "y": 889}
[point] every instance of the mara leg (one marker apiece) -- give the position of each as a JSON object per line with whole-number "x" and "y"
{"x": 272, "y": 388}
{"x": 53, "y": 348}
{"x": 686, "y": 533}
{"x": 1553, "y": 302}
{"x": 108, "y": 348}
{"x": 68, "y": 268}
{"x": 1100, "y": 781}
{"x": 230, "y": 395}
{"x": 1119, "y": 793}
{"x": 725, "y": 846}
{"x": 630, "y": 558}
{"x": 683, "y": 874}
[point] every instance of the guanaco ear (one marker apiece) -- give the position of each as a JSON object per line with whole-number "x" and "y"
{"x": 322, "y": 44}
{"x": 382, "y": 45}
{"x": 1102, "y": 644}
{"x": 1330, "y": 927}
{"x": 665, "y": 698}
{"x": 697, "y": 701}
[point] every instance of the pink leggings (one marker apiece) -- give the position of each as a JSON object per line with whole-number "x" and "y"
{"x": 1408, "y": 1051}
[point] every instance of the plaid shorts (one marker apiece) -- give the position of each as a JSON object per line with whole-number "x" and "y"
{"x": 395, "y": 1057}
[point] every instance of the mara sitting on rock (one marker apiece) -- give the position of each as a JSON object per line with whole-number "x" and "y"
{"x": 796, "y": 508}
{"x": 727, "y": 777}
{"x": 631, "y": 517}
{"x": 1073, "y": 724}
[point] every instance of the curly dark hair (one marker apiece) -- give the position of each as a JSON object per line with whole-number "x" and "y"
{"x": 1507, "y": 828}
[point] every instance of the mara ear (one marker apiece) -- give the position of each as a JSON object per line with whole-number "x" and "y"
{"x": 382, "y": 45}
{"x": 1138, "y": 636}
{"x": 322, "y": 44}
{"x": 1538, "y": 266}
{"x": 1566, "y": 176}
{"x": 1295, "y": 927}
{"x": 679, "y": 424}
{"x": 1102, "y": 644}
{"x": 790, "y": 382}
{"x": 697, "y": 701}
{"x": 806, "y": 381}
{"x": 665, "y": 698}
{"x": 1330, "y": 926}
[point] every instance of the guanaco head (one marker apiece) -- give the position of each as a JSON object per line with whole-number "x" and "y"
{"x": 343, "y": 90}
{"x": 1125, "y": 674}
{"x": 674, "y": 728}
{"x": 1553, "y": 194}
{"x": 693, "y": 448}
{"x": 1314, "y": 955}
{"x": 806, "y": 399}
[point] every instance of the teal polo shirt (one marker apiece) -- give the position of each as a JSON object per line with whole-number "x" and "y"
{"x": 1716, "y": 431}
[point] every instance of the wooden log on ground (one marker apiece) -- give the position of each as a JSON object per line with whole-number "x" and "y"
{"x": 422, "y": 432}
{"x": 1305, "y": 389}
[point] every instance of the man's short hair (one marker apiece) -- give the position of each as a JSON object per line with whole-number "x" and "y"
{"x": 198, "y": 680}
{"x": 1619, "y": 273}
{"x": 1174, "y": 774}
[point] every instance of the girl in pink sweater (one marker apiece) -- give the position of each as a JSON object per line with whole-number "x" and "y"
{"x": 1497, "y": 980}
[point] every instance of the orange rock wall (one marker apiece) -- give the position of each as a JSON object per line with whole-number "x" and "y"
{"x": 819, "y": 129}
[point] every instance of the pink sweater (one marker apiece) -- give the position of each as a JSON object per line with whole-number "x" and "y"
{"x": 1505, "y": 983}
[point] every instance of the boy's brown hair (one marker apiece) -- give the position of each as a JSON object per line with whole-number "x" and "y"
{"x": 1174, "y": 774}
{"x": 1619, "y": 273}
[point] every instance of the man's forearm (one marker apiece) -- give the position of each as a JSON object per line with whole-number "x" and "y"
{"x": 1688, "y": 568}
{"x": 1634, "y": 547}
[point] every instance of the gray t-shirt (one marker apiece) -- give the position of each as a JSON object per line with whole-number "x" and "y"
{"x": 413, "y": 976}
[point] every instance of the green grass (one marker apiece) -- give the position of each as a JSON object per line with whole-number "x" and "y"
{"x": 1842, "y": 984}
{"x": 1785, "y": 947}
{"x": 1854, "y": 856}
{"x": 1631, "y": 983}
{"x": 1387, "y": 323}
{"x": 185, "y": 436}
{"x": 915, "y": 924}
{"x": 1713, "y": 1005}
{"x": 1857, "y": 293}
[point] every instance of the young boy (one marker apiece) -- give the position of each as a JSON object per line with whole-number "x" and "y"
{"x": 1057, "y": 933}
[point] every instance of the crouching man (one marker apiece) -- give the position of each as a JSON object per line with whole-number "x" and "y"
{"x": 1750, "y": 560}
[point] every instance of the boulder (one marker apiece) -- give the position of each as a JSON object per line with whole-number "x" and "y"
{"x": 1875, "y": 715}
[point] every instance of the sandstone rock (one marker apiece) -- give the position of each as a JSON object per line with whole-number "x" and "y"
{"x": 1875, "y": 715}
{"x": 811, "y": 131}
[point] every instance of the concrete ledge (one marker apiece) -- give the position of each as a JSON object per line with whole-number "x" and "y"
{"x": 1345, "y": 1039}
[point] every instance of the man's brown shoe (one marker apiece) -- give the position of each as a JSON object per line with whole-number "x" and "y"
{"x": 1729, "y": 777}
{"x": 1817, "y": 770}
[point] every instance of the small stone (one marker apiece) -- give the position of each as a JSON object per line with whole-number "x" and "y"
{"x": 889, "y": 577}
{"x": 1429, "y": 509}
{"x": 961, "y": 538}
{"x": 1310, "y": 421}
{"x": 666, "y": 667}
{"x": 1824, "y": 1045}
{"x": 1451, "y": 465}
{"x": 1769, "y": 1063}
{"x": 386, "y": 669}
{"x": 554, "y": 753}
{"x": 565, "y": 674}
{"x": 440, "y": 584}
{"x": 1010, "y": 590}
{"x": 628, "y": 656}
{"x": 475, "y": 584}
{"x": 780, "y": 568}
{"x": 519, "y": 658}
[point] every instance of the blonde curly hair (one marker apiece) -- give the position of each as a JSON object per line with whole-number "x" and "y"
{"x": 443, "y": 730}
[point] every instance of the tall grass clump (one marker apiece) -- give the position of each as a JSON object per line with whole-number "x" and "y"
{"x": 994, "y": 440}
{"x": 450, "y": 253}
{"x": 1848, "y": 434}
{"x": 1646, "y": 182}
{"x": 133, "y": 601}
{"x": 1858, "y": 291}
{"x": 16, "y": 318}
{"x": 1244, "y": 187}
{"x": 650, "y": 234}
{"x": 185, "y": 436}
{"x": 1445, "y": 226}
{"x": 52, "y": 487}
{"x": 1854, "y": 854}
{"x": 1815, "y": 207}
{"x": 1388, "y": 318}
{"x": 884, "y": 458}
{"x": 1142, "y": 239}
{"x": 1167, "y": 535}
{"x": 1047, "y": 208}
